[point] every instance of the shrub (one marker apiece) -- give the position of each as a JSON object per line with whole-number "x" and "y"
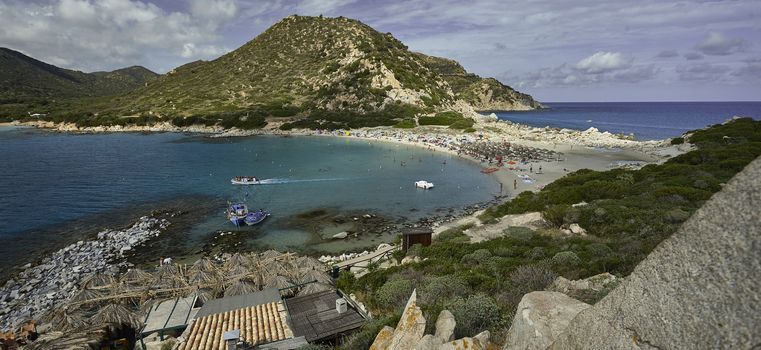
{"x": 437, "y": 289}
{"x": 346, "y": 281}
{"x": 523, "y": 234}
{"x": 555, "y": 214}
{"x": 566, "y": 258}
{"x": 529, "y": 278}
{"x": 677, "y": 141}
{"x": 393, "y": 294}
{"x": 473, "y": 314}
{"x": 476, "y": 257}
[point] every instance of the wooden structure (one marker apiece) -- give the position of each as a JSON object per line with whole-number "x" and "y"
{"x": 316, "y": 318}
{"x": 374, "y": 256}
{"x": 413, "y": 236}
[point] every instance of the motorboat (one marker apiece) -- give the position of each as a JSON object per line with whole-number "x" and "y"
{"x": 237, "y": 213}
{"x": 255, "y": 217}
{"x": 423, "y": 184}
{"x": 244, "y": 180}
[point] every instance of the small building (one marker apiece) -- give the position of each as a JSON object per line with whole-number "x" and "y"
{"x": 259, "y": 318}
{"x": 323, "y": 315}
{"x": 418, "y": 235}
{"x": 169, "y": 317}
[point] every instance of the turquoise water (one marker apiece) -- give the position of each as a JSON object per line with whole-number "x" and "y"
{"x": 52, "y": 179}
{"x": 646, "y": 120}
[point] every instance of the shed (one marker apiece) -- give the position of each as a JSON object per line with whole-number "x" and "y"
{"x": 418, "y": 235}
{"x": 315, "y": 316}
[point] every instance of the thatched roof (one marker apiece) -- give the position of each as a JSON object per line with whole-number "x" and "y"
{"x": 315, "y": 275}
{"x": 271, "y": 254}
{"x": 235, "y": 270}
{"x": 204, "y": 264}
{"x": 278, "y": 282}
{"x": 307, "y": 262}
{"x": 206, "y": 294}
{"x": 65, "y": 321}
{"x": 314, "y": 288}
{"x": 85, "y": 295}
{"x": 236, "y": 260}
{"x": 83, "y": 340}
{"x": 97, "y": 280}
{"x": 240, "y": 287}
{"x": 136, "y": 276}
{"x": 203, "y": 277}
{"x": 116, "y": 315}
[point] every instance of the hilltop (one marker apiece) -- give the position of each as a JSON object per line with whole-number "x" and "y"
{"x": 24, "y": 79}
{"x": 312, "y": 72}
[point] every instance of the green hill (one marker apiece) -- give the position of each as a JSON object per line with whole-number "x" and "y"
{"x": 320, "y": 72}
{"x": 26, "y": 80}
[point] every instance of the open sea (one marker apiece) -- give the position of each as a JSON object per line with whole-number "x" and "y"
{"x": 646, "y": 120}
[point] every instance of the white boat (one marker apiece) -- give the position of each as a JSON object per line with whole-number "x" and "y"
{"x": 244, "y": 180}
{"x": 424, "y": 184}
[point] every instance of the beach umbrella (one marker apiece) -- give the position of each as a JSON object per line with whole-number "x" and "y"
{"x": 98, "y": 280}
{"x": 307, "y": 262}
{"x": 115, "y": 315}
{"x": 202, "y": 277}
{"x": 83, "y": 340}
{"x": 136, "y": 276}
{"x": 279, "y": 282}
{"x": 271, "y": 254}
{"x": 237, "y": 271}
{"x": 204, "y": 264}
{"x": 236, "y": 260}
{"x": 205, "y": 294}
{"x": 65, "y": 321}
{"x": 312, "y": 288}
{"x": 240, "y": 287}
{"x": 315, "y": 275}
{"x": 85, "y": 295}
{"x": 511, "y": 162}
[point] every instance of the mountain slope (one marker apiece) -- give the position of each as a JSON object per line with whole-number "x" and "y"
{"x": 312, "y": 63}
{"x": 23, "y": 78}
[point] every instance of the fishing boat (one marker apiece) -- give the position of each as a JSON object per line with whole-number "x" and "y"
{"x": 244, "y": 180}
{"x": 424, "y": 184}
{"x": 253, "y": 218}
{"x": 489, "y": 170}
{"x": 237, "y": 213}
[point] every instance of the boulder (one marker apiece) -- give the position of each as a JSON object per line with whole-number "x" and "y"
{"x": 410, "y": 328}
{"x": 697, "y": 289}
{"x": 584, "y": 288}
{"x": 464, "y": 343}
{"x": 445, "y": 325}
{"x": 483, "y": 339}
{"x": 577, "y": 230}
{"x": 383, "y": 339}
{"x": 540, "y": 318}
{"x": 429, "y": 342}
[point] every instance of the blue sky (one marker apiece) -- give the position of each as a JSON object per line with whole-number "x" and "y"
{"x": 645, "y": 50}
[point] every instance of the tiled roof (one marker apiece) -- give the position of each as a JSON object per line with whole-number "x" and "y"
{"x": 258, "y": 324}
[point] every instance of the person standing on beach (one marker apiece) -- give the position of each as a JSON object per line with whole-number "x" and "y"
{"x": 515, "y": 184}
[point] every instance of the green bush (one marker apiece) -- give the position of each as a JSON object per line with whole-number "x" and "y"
{"x": 394, "y": 294}
{"x": 474, "y": 314}
{"x": 566, "y": 258}
{"x": 677, "y": 141}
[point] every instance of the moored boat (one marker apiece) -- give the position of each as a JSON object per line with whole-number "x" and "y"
{"x": 244, "y": 180}
{"x": 489, "y": 170}
{"x": 256, "y": 217}
{"x": 237, "y": 213}
{"x": 424, "y": 184}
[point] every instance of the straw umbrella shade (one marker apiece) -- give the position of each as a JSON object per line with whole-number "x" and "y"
{"x": 306, "y": 262}
{"x": 203, "y": 277}
{"x": 312, "y": 288}
{"x": 240, "y": 287}
{"x": 236, "y": 260}
{"x": 115, "y": 315}
{"x": 271, "y": 254}
{"x": 83, "y": 340}
{"x": 98, "y": 280}
{"x": 65, "y": 321}
{"x": 315, "y": 275}
{"x": 206, "y": 294}
{"x": 85, "y": 295}
{"x": 136, "y": 276}
{"x": 203, "y": 264}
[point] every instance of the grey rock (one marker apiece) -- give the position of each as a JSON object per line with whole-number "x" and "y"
{"x": 429, "y": 342}
{"x": 698, "y": 289}
{"x": 445, "y": 325}
{"x": 483, "y": 339}
{"x": 540, "y": 318}
{"x": 410, "y": 328}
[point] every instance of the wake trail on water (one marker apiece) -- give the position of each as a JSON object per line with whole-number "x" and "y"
{"x": 277, "y": 181}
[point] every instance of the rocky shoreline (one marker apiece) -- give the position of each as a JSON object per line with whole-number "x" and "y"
{"x": 58, "y": 278}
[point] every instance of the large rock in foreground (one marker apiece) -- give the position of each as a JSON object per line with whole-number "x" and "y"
{"x": 540, "y": 318}
{"x": 408, "y": 332}
{"x": 698, "y": 289}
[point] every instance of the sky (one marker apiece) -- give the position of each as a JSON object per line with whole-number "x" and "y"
{"x": 569, "y": 50}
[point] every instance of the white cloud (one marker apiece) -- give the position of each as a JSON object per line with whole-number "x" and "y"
{"x": 319, "y": 7}
{"x": 602, "y": 62}
{"x": 213, "y": 10}
{"x": 703, "y": 72}
{"x": 719, "y": 45}
{"x": 94, "y": 35}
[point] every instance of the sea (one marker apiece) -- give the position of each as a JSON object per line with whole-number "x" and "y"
{"x": 53, "y": 185}
{"x": 646, "y": 120}
{"x": 56, "y": 188}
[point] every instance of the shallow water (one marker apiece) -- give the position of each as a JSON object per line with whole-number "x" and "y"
{"x": 50, "y": 180}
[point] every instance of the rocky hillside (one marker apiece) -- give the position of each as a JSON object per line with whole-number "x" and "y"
{"x": 316, "y": 63}
{"x": 484, "y": 94}
{"x": 24, "y": 79}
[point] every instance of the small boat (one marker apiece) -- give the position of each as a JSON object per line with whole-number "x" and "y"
{"x": 489, "y": 170}
{"x": 253, "y": 218}
{"x": 423, "y": 184}
{"x": 244, "y": 180}
{"x": 237, "y": 213}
